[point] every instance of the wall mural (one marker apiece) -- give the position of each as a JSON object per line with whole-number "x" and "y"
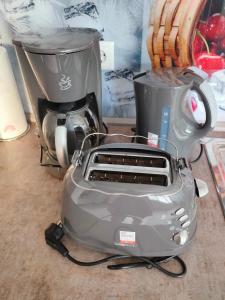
{"x": 122, "y": 21}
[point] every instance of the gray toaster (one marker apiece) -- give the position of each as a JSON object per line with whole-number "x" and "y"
{"x": 130, "y": 199}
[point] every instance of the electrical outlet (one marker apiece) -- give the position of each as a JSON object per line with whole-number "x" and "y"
{"x": 107, "y": 55}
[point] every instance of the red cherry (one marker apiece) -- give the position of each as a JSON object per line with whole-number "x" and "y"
{"x": 209, "y": 62}
{"x": 198, "y": 45}
{"x": 214, "y": 48}
{"x": 222, "y": 44}
{"x": 203, "y": 27}
{"x": 216, "y": 27}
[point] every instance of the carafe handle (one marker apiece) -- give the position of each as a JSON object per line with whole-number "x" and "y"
{"x": 61, "y": 143}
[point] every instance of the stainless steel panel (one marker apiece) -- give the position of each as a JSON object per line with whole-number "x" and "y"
{"x": 215, "y": 150}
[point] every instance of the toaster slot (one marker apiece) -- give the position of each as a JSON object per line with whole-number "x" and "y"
{"x": 140, "y": 161}
{"x": 125, "y": 177}
{"x": 128, "y": 167}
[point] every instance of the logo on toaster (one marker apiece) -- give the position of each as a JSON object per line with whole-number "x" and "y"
{"x": 65, "y": 83}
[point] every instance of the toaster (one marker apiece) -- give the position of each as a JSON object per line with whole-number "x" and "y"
{"x": 130, "y": 199}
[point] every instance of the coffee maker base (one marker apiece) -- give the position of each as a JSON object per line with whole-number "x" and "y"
{"x": 51, "y": 165}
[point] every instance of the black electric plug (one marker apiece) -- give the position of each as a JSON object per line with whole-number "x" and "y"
{"x": 53, "y": 235}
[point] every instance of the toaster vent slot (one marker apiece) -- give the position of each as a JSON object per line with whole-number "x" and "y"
{"x": 125, "y": 177}
{"x": 140, "y": 161}
{"x": 125, "y": 166}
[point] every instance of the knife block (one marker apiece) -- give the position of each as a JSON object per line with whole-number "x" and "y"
{"x": 171, "y": 32}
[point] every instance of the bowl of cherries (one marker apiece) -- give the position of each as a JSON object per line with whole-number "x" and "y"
{"x": 208, "y": 47}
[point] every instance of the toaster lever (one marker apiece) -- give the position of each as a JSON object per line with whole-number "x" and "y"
{"x": 181, "y": 164}
{"x": 77, "y": 158}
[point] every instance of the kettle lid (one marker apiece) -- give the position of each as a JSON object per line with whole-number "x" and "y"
{"x": 59, "y": 41}
{"x": 166, "y": 78}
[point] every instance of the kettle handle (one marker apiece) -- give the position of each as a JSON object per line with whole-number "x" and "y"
{"x": 203, "y": 88}
{"x": 94, "y": 118}
{"x": 61, "y": 145}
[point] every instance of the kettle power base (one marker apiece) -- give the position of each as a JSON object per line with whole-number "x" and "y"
{"x": 54, "y": 235}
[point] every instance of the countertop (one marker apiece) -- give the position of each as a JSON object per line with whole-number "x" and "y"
{"x": 31, "y": 200}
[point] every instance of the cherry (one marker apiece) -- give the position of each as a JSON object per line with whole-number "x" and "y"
{"x": 206, "y": 57}
{"x": 199, "y": 44}
{"x": 215, "y": 28}
{"x": 209, "y": 62}
{"x": 214, "y": 48}
{"x": 222, "y": 44}
{"x": 203, "y": 27}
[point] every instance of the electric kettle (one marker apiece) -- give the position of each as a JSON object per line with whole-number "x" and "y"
{"x": 64, "y": 131}
{"x": 175, "y": 105}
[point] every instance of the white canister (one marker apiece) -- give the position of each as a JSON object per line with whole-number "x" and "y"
{"x": 13, "y": 122}
{"x": 5, "y": 32}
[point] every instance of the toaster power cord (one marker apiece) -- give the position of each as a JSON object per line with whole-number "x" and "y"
{"x": 106, "y": 127}
{"x": 54, "y": 234}
{"x": 199, "y": 156}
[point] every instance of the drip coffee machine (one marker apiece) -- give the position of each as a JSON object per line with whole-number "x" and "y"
{"x": 62, "y": 74}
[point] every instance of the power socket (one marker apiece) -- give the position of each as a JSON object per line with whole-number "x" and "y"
{"x": 107, "y": 55}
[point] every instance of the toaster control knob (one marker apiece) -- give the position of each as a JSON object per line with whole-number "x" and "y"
{"x": 183, "y": 218}
{"x": 186, "y": 224}
{"x": 181, "y": 237}
{"x": 179, "y": 212}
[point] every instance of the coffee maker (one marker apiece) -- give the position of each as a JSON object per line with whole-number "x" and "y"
{"x": 62, "y": 75}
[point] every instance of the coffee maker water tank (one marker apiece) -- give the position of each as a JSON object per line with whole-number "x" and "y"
{"x": 66, "y": 63}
